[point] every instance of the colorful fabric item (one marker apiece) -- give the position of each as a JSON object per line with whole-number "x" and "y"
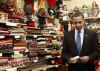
{"x": 4, "y": 29}
{"x": 6, "y": 41}
{"x": 32, "y": 24}
{"x": 3, "y": 16}
{"x": 20, "y": 44}
{"x": 42, "y": 12}
{"x": 52, "y": 3}
{"x": 29, "y": 3}
{"x": 42, "y": 4}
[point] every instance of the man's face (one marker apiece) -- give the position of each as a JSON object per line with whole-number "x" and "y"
{"x": 78, "y": 22}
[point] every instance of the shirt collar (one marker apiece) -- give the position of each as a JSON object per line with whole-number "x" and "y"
{"x": 81, "y": 31}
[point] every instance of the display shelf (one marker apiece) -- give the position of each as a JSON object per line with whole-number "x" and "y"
{"x": 38, "y": 44}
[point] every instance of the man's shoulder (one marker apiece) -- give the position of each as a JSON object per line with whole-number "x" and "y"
{"x": 90, "y": 31}
{"x": 68, "y": 32}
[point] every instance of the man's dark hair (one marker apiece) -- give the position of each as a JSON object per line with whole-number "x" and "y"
{"x": 77, "y": 14}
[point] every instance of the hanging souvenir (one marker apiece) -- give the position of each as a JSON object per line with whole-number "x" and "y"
{"x": 42, "y": 4}
{"x": 52, "y": 3}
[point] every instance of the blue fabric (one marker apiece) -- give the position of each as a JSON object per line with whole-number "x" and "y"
{"x": 78, "y": 42}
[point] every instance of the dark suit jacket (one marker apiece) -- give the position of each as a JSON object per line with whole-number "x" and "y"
{"x": 88, "y": 48}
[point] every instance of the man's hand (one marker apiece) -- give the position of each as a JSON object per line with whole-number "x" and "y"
{"x": 73, "y": 60}
{"x": 84, "y": 58}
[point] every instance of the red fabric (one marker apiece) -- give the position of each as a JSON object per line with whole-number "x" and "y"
{"x": 20, "y": 50}
{"x": 51, "y": 20}
{"x": 59, "y": 61}
{"x": 21, "y": 43}
{"x": 19, "y": 17}
{"x": 62, "y": 27}
{"x": 6, "y": 41}
{"x": 4, "y": 57}
{"x": 43, "y": 14}
{"x": 33, "y": 10}
{"x": 96, "y": 65}
{"x": 2, "y": 28}
{"x": 48, "y": 38}
{"x": 52, "y": 2}
{"x": 32, "y": 24}
{"x": 3, "y": 64}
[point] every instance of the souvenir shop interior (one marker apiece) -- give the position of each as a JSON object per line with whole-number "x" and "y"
{"x": 32, "y": 31}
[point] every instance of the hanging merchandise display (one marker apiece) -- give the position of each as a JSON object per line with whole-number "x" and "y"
{"x": 42, "y": 4}
{"x": 52, "y": 3}
{"x": 95, "y": 9}
{"x": 29, "y": 6}
{"x": 36, "y": 5}
{"x": 41, "y": 17}
{"x": 58, "y": 2}
{"x": 29, "y": 9}
{"x": 3, "y": 5}
{"x": 6, "y": 5}
{"x": 41, "y": 12}
{"x": 12, "y": 5}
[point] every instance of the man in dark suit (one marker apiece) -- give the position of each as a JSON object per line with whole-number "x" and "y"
{"x": 80, "y": 46}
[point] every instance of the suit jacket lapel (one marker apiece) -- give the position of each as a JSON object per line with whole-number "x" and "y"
{"x": 73, "y": 35}
{"x": 85, "y": 39}
{"x": 74, "y": 44}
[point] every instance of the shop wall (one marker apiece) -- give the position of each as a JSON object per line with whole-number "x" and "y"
{"x": 72, "y": 3}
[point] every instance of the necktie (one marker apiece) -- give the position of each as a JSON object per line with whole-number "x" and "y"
{"x": 78, "y": 42}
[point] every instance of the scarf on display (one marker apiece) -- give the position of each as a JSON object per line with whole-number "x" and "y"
{"x": 52, "y": 3}
{"x": 42, "y": 4}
